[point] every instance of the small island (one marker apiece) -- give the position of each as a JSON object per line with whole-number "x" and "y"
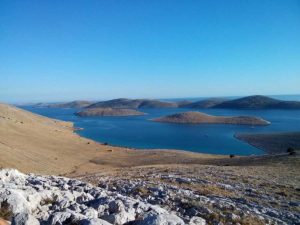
{"x": 197, "y": 118}
{"x": 92, "y": 112}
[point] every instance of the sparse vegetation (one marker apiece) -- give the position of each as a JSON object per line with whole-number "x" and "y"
{"x": 5, "y": 211}
{"x": 48, "y": 201}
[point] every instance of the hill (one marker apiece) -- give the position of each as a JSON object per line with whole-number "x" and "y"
{"x": 108, "y": 112}
{"x": 133, "y": 104}
{"x": 197, "y": 117}
{"x": 259, "y": 102}
{"x": 206, "y": 103}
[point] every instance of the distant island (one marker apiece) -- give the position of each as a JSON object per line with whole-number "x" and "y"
{"x": 124, "y": 103}
{"x": 250, "y": 102}
{"x": 206, "y": 103}
{"x": 197, "y": 118}
{"x": 258, "y": 102}
{"x": 74, "y": 104}
{"x": 108, "y": 112}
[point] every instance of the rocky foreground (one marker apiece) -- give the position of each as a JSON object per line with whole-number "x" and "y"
{"x": 149, "y": 196}
{"x": 32, "y": 200}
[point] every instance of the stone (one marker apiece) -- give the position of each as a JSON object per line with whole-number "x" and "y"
{"x": 95, "y": 221}
{"x": 24, "y": 219}
{"x": 197, "y": 221}
{"x": 161, "y": 219}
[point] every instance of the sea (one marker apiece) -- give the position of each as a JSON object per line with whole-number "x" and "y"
{"x": 141, "y": 133}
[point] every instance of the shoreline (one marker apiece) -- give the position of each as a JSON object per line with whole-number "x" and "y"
{"x": 168, "y": 149}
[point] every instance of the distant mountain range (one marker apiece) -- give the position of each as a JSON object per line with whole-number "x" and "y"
{"x": 250, "y": 102}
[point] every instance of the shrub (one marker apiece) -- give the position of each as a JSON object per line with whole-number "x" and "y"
{"x": 291, "y": 151}
{"x": 5, "y": 211}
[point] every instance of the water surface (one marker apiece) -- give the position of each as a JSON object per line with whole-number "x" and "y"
{"x": 140, "y": 132}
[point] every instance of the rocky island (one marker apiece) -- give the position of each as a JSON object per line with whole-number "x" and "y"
{"x": 108, "y": 112}
{"x": 74, "y": 104}
{"x": 203, "y": 104}
{"x": 258, "y": 102}
{"x": 125, "y": 103}
{"x": 197, "y": 118}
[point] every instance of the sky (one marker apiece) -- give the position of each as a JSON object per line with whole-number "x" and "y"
{"x": 93, "y": 49}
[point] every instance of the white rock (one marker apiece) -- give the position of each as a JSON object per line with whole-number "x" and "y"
{"x": 12, "y": 176}
{"x": 95, "y": 221}
{"x": 197, "y": 221}
{"x": 24, "y": 219}
{"x": 161, "y": 219}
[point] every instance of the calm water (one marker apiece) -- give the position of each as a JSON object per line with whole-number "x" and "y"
{"x": 139, "y": 132}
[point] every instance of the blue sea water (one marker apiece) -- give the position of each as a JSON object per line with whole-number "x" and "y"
{"x": 140, "y": 132}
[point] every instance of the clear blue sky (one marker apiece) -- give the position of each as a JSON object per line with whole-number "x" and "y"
{"x": 91, "y": 49}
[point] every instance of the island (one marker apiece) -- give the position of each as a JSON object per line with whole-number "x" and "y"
{"x": 108, "y": 112}
{"x": 198, "y": 118}
{"x": 124, "y": 103}
{"x": 258, "y": 102}
{"x": 202, "y": 104}
{"x": 74, "y": 104}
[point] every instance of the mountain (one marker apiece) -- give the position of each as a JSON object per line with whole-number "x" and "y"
{"x": 108, "y": 112}
{"x": 133, "y": 104}
{"x": 206, "y": 103}
{"x": 197, "y": 117}
{"x": 259, "y": 102}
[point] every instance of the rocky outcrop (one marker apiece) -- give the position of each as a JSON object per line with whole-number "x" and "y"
{"x": 108, "y": 112}
{"x": 52, "y": 200}
{"x": 197, "y": 118}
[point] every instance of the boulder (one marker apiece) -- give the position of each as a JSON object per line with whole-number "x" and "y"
{"x": 95, "y": 221}
{"x": 24, "y": 219}
{"x": 161, "y": 219}
{"x": 197, "y": 221}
